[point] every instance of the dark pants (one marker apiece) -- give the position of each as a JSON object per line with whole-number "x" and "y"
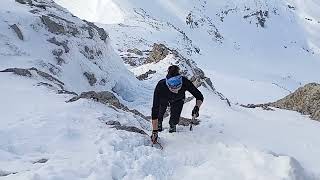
{"x": 175, "y": 112}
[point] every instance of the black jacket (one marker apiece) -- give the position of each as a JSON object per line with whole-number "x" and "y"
{"x": 162, "y": 95}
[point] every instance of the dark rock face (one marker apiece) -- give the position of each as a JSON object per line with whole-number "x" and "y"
{"x": 103, "y": 97}
{"x": 107, "y": 98}
{"x": 19, "y": 71}
{"x": 145, "y": 75}
{"x": 135, "y": 51}
{"x": 41, "y": 161}
{"x": 24, "y": 1}
{"x": 6, "y": 173}
{"x": 260, "y": 15}
{"x": 27, "y": 73}
{"x": 130, "y": 129}
{"x": 263, "y": 106}
{"x": 64, "y": 44}
{"x": 102, "y": 33}
{"x": 17, "y": 31}
{"x": 305, "y": 100}
{"x": 158, "y": 53}
{"x": 52, "y": 26}
{"x": 118, "y": 126}
{"x": 113, "y": 123}
{"x": 91, "y": 78}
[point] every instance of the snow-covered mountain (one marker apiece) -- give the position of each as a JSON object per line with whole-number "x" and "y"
{"x": 248, "y": 47}
{"x": 77, "y": 95}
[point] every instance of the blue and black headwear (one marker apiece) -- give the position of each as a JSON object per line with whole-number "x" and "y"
{"x": 174, "y": 82}
{"x": 174, "y": 79}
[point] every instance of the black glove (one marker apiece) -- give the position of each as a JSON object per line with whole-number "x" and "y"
{"x": 195, "y": 111}
{"x": 154, "y": 136}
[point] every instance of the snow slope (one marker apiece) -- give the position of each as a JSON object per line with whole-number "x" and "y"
{"x": 37, "y": 123}
{"x": 277, "y": 54}
{"x": 69, "y": 49}
{"x": 78, "y": 145}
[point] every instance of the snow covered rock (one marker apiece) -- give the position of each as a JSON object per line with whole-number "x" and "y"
{"x": 305, "y": 100}
{"x": 107, "y": 98}
{"x": 42, "y": 35}
{"x": 158, "y": 53}
{"x": 117, "y": 125}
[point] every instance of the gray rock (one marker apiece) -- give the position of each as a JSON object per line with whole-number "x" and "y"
{"x": 91, "y": 78}
{"x": 24, "y": 2}
{"x": 52, "y": 26}
{"x": 58, "y": 53}
{"x": 158, "y": 53}
{"x": 47, "y": 76}
{"x": 62, "y": 91}
{"x": 145, "y": 75}
{"x": 6, "y": 173}
{"x": 263, "y": 106}
{"x": 113, "y": 123}
{"x": 305, "y": 100}
{"x": 41, "y": 161}
{"x": 102, "y": 33}
{"x": 135, "y": 51}
{"x": 17, "y": 31}
{"x": 130, "y": 129}
{"x": 64, "y": 44}
{"x": 107, "y": 98}
{"x": 104, "y": 97}
{"x": 19, "y": 71}
{"x": 27, "y": 73}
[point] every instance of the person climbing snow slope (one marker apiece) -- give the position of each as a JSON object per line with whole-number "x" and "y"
{"x": 171, "y": 92}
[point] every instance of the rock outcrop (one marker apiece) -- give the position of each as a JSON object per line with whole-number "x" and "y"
{"x": 305, "y": 100}
{"x": 118, "y": 126}
{"x": 107, "y": 98}
{"x": 158, "y": 53}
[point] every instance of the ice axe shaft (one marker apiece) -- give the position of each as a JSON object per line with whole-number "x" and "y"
{"x": 191, "y": 123}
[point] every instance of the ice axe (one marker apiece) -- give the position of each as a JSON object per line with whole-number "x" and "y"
{"x": 192, "y": 121}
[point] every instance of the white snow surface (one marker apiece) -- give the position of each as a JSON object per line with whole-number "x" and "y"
{"x": 280, "y": 57}
{"x": 230, "y": 142}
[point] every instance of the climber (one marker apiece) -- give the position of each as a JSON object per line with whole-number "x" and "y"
{"x": 171, "y": 92}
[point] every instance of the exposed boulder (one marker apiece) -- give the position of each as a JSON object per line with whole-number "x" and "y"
{"x": 6, "y": 173}
{"x": 263, "y": 106}
{"x": 117, "y": 125}
{"x": 52, "y": 26}
{"x": 64, "y": 44}
{"x": 41, "y": 161}
{"x": 144, "y": 76}
{"x": 17, "y": 30}
{"x": 24, "y": 2}
{"x": 28, "y": 73}
{"x": 18, "y": 71}
{"x": 104, "y": 97}
{"x": 158, "y": 53}
{"x": 135, "y": 51}
{"x": 305, "y": 100}
{"x": 107, "y": 98}
{"x": 130, "y": 129}
{"x": 91, "y": 78}
{"x": 113, "y": 123}
{"x": 102, "y": 33}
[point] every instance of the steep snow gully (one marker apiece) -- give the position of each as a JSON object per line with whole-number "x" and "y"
{"x": 43, "y": 136}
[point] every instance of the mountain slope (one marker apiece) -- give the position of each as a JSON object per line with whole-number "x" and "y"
{"x": 263, "y": 45}
{"x": 44, "y": 135}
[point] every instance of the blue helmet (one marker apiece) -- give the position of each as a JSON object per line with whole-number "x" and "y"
{"x": 174, "y": 82}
